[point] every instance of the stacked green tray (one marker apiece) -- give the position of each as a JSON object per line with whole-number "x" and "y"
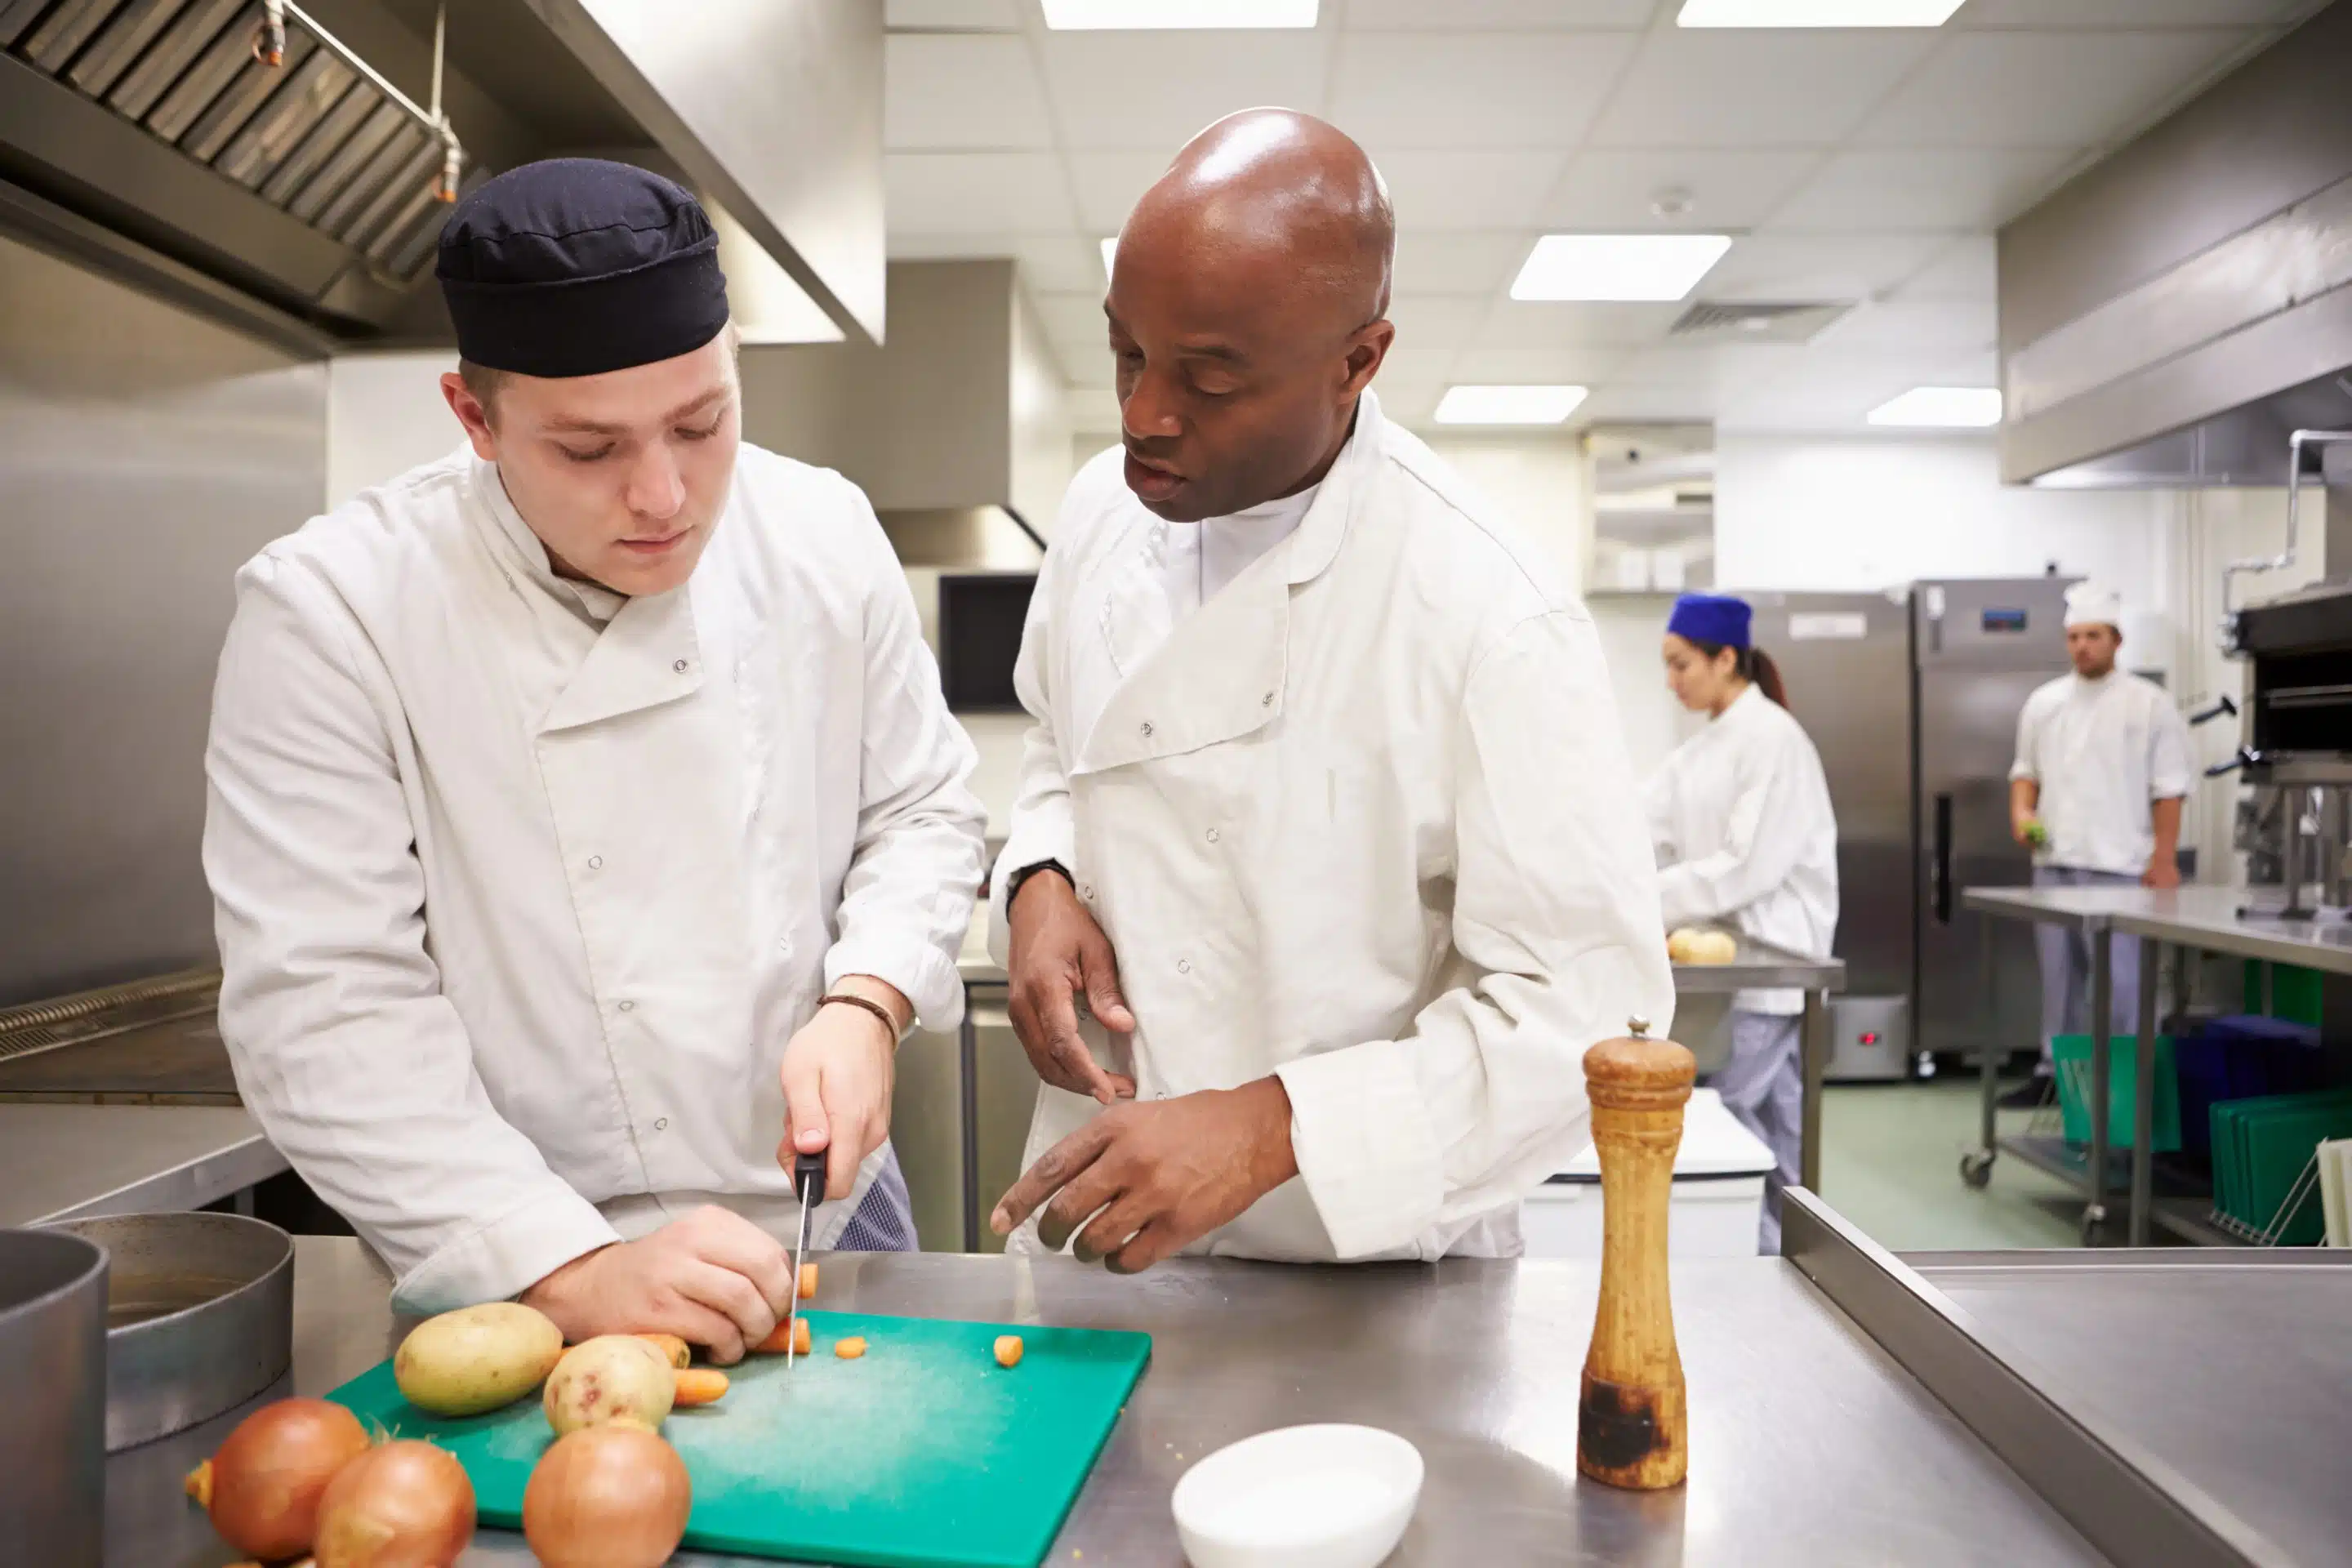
{"x": 2260, "y": 1149}
{"x": 2071, "y": 1055}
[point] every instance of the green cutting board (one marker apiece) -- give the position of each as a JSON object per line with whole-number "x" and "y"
{"x": 923, "y": 1453}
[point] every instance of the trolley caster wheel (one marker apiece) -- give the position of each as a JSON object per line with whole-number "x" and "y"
{"x": 1976, "y": 1167}
{"x": 2094, "y": 1218}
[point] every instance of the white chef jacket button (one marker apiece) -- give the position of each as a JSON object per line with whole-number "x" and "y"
{"x": 661, "y": 1123}
{"x": 628, "y": 1006}
{"x": 1212, "y": 835}
{"x": 1266, "y": 701}
{"x": 1184, "y": 967}
{"x": 1087, "y": 892}
{"x": 1147, "y": 729}
{"x": 679, "y": 666}
{"x": 595, "y": 862}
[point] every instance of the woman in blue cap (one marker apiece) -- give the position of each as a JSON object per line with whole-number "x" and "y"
{"x": 1740, "y": 817}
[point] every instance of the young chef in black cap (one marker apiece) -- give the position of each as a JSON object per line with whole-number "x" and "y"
{"x": 585, "y": 816}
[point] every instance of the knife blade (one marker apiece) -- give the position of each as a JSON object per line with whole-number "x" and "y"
{"x": 808, "y": 1175}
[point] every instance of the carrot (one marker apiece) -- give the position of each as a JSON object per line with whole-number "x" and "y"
{"x": 849, "y": 1348}
{"x": 774, "y": 1344}
{"x": 671, "y": 1346}
{"x": 703, "y": 1386}
{"x": 808, "y": 1282}
{"x": 1008, "y": 1350}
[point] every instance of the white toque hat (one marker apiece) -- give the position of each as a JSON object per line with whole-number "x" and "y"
{"x": 2090, "y": 605}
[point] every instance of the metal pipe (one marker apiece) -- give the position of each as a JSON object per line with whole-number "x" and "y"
{"x": 2285, "y": 558}
{"x": 431, "y": 121}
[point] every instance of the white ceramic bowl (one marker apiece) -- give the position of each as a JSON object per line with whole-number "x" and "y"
{"x": 1302, "y": 1497}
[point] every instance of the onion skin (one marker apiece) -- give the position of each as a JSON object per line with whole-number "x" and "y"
{"x": 263, "y": 1489}
{"x": 404, "y": 1505}
{"x": 607, "y": 1496}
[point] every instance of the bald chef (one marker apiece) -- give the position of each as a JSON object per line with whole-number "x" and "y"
{"x": 585, "y": 813}
{"x": 1325, "y": 815}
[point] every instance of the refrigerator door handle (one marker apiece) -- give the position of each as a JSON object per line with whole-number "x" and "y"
{"x": 1940, "y": 865}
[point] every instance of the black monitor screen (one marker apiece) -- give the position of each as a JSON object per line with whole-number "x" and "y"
{"x": 980, "y": 637}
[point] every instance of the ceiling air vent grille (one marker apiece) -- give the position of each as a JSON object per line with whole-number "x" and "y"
{"x": 1739, "y": 321}
{"x": 319, "y": 135}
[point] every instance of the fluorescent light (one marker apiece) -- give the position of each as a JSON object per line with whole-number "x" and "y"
{"x": 1810, "y": 12}
{"x": 1110, "y": 253}
{"x": 1617, "y": 266}
{"x": 1941, "y": 408}
{"x": 1098, "y": 14}
{"x": 1507, "y": 405}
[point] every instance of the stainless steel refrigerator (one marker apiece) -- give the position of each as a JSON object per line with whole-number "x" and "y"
{"x": 1912, "y": 696}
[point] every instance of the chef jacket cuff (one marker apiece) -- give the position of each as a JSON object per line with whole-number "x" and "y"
{"x": 1040, "y": 836}
{"x": 923, "y": 975}
{"x": 507, "y": 1256}
{"x": 1364, "y": 1146}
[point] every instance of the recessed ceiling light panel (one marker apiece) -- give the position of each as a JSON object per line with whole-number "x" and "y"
{"x": 1617, "y": 266}
{"x": 1097, "y": 15}
{"x": 1812, "y": 13}
{"x": 1507, "y": 405}
{"x": 1941, "y": 408}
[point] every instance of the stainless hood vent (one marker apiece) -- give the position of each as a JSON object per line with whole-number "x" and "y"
{"x": 103, "y": 99}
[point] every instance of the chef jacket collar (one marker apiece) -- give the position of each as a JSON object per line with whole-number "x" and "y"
{"x": 1316, "y": 543}
{"x": 593, "y": 601}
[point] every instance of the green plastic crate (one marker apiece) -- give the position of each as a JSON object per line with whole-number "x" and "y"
{"x": 2071, "y": 1054}
{"x": 2294, "y": 992}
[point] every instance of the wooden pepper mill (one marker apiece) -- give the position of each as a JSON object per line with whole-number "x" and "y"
{"x": 1632, "y": 1426}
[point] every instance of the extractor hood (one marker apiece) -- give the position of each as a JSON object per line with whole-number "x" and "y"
{"x": 2172, "y": 315}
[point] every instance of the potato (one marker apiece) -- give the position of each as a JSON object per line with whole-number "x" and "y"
{"x": 1678, "y": 944}
{"x": 477, "y": 1358}
{"x": 1696, "y": 944}
{"x": 613, "y": 1378}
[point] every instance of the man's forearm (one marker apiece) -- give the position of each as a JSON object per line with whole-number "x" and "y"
{"x": 2164, "y": 817}
{"x": 2024, "y": 798}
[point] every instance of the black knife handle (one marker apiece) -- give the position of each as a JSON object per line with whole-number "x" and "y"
{"x": 808, "y": 1177}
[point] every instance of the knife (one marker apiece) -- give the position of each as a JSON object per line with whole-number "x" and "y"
{"x": 808, "y": 1175}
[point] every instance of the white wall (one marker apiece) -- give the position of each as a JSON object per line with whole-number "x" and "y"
{"x": 386, "y": 416}
{"x": 1044, "y": 455}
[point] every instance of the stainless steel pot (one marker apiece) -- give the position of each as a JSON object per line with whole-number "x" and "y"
{"x": 200, "y": 1315}
{"x": 52, "y": 1417}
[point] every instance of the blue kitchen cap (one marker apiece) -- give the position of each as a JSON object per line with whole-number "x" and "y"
{"x": 1716, "y": 618}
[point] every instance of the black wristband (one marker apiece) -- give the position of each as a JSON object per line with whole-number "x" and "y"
{"x": 1013, "y": 886}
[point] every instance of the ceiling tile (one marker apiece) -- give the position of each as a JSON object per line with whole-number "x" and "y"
{"x": 1716, "y": 367}
{"x": 1703, "y": 86}
{"x": 1411, "y": 405}
{"x": 1109, "y": 183}
{"x": 1050, "y": 263}
{"x": 1537, "y": 367}
{"x": 966, "y": 14}
{"x": 1433, "y": 320}
{"x": 2044, "y": 90}
{"x": 1074, "y": 318}
{"x": 1823, "y": 390}
{"x": 976, "y": 193}
{"x": 1723, "y": 188}
{"x": 1966, "y": 271}
{"x": 1645, "y": 405}
{"x": 1407, "y": 367}
{"x": 1473, "y": 15}
{"x": 1949, "y": 327}
{"x": 1519, "y": 324}
{"x": 2129, "y": 13}
{"x": 1465, "y": 261}
{"x": 962, "y": 90}
{"x": 1922, "y": 188}
{"x": 1156, "y": 90}
{"x": 1475, "y": 90}
{"x": 1468, "y": 189}
{"x": 1792, "y": 269}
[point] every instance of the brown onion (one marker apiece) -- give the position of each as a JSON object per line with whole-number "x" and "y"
{"x": 607, "y": 1496}
{"x": 262, "y": 1489}
{"x": 404, "y": 1505}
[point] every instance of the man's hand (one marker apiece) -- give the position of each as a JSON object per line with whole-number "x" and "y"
{"x": 1058, "y": 954}
{"x": 712, "y": 1279}
{"x": 838, "y": 1072}
{"x": 1162, "y": 1173}
{"x": 2163, "y": 871}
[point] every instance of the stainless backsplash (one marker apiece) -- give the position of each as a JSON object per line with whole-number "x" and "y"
{"x": 144, "y": 453}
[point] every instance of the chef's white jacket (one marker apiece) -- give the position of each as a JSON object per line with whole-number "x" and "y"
{"x": 1740, "y": 818}
{"x": 2101, "y": 751}
{"x": 1362, "y": 820}
{"x": 518, "y": 909}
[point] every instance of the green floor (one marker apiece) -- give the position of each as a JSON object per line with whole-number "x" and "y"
{"x": 1891, "y": 1159}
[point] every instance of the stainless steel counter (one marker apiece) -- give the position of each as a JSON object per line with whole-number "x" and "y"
{"x": 1809, "y": 1445}
{"x": 78, "y": 1162}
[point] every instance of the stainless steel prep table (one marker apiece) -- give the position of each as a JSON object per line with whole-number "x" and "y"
{"x": 1808, "y": 1443}
{"x": 1760, "y": 966}
{"x": 2201, "y": 919}
{"x": 78, "y": 1162}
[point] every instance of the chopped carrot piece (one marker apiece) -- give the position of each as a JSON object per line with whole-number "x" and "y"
{"x": 800, "y": 1336}
{"x": 1008, "y": 1350}
{"x": 774, "y": 1344}
{"x": 849, "y": 1348}
{"x": 808, "y": 1282}
{"x": 673, "y": 1347}
{"x": 703, "y": 1386}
